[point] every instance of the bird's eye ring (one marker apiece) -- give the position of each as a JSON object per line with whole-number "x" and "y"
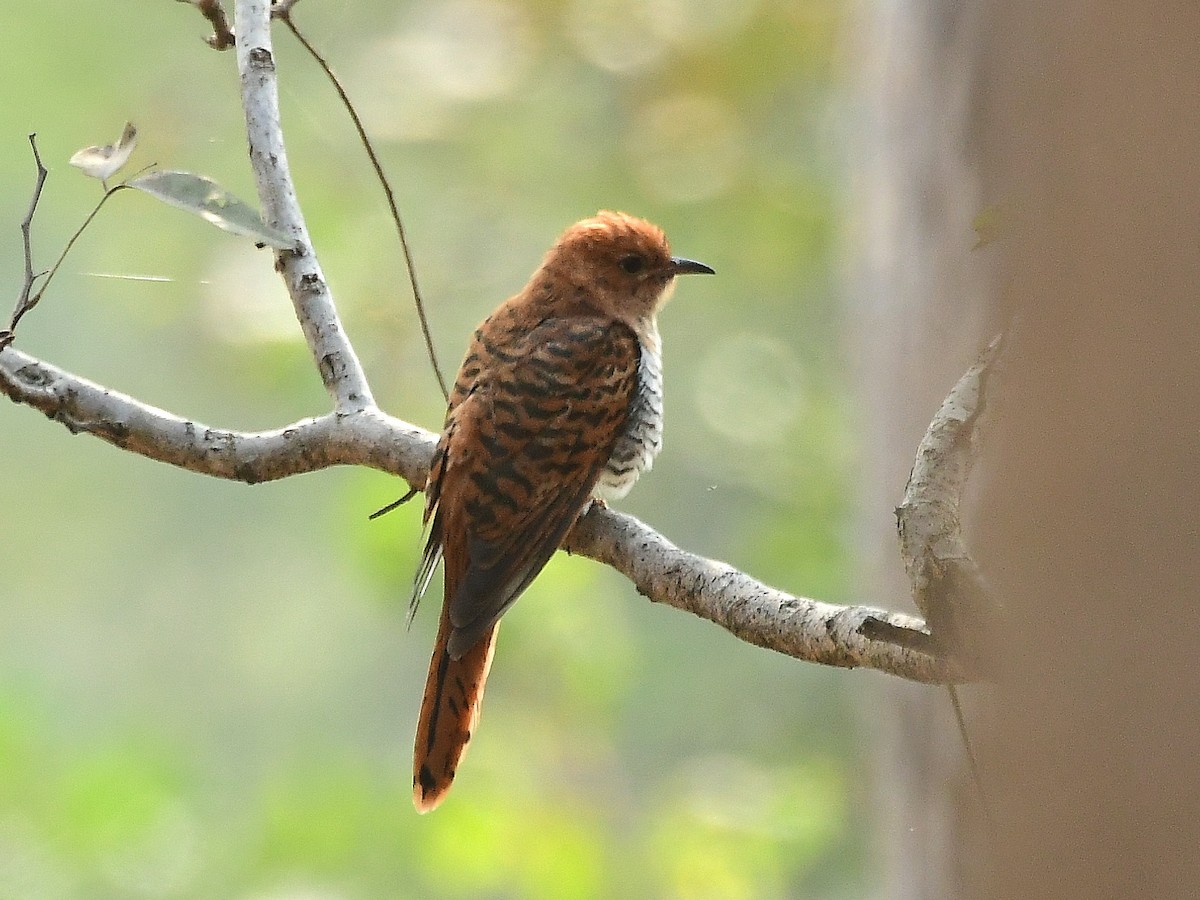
{"x": 633, "y": 263}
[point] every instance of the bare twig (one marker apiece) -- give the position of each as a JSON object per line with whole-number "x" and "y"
{"x": 222, "y": 36}
{"x": 960, "y": 722}
{"x": 24, "y": 303}
{"x": 28, "y": 302}
{"x": 395, "y": 504}
{"x": 36, "y": 298}
{"x": 283, "y": 13}
{"x": 26, "y": 237}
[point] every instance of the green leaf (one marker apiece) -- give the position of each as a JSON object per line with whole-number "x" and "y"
{"x": 205, "y": 198}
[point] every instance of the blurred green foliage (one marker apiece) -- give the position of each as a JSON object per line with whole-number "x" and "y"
{"x": 206, "y": 689}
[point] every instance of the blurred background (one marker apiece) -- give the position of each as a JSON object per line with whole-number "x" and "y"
{"x": 207, "y": 689}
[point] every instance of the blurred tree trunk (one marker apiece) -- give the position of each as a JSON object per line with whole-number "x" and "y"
{"x": 919, "y": 314}
{"x": 1083, "y": 121}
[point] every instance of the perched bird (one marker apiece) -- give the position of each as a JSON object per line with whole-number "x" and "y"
{"x": 559, "y": 399}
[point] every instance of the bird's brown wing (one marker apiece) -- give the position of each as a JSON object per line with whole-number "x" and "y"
{"x": 523, "y": 446}
{"x": 525, "y": 450}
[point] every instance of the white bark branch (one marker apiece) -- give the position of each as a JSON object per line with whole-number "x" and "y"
{"x": 331, "y": 349}
{"x": 796, "y": 626}
{"x": 365, "y": 437}
{"x": 358, "y": 433}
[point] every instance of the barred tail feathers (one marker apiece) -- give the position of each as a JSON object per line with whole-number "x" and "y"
{"x": 449, "y": 714}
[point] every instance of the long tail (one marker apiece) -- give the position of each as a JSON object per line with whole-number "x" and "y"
{"x": 449, "y": 713}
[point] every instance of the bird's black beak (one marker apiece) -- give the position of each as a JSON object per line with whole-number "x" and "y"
{"x": 681, "y": 266}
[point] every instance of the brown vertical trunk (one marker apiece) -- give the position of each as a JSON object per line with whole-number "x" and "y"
{"x": 1083, "y": 121}
{"x": 1091, "y": 131}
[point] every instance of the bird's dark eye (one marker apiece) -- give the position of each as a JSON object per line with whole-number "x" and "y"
{"x": 633, "y": 263}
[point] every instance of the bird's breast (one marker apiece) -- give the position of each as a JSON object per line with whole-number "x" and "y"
{"x": 641, "y": 439}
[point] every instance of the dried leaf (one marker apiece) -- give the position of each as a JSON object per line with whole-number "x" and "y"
{"x": 103, "y": 162}
{"x": 205, "y": 198}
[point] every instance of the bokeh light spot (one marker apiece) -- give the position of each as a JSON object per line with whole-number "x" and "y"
{"x": 750, "y": 388}
{"x": 245, "y": 302}
{"x": 700, "y": 20}
{"x": 445, "y": 54}
{"x": 617, "y": 35}
{"x": 687, "y": 148}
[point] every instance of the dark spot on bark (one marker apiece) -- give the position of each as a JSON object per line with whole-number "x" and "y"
{"x": 260, "y": 58}
{"x": 246, "y": 473}
{"x": 34, "y": 376}
{"x": 329, "y": 367}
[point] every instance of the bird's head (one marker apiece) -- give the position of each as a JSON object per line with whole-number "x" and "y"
{"x": 622, "y": 264}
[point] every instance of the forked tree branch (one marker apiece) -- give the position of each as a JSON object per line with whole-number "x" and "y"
{"x": 356, "y": 432}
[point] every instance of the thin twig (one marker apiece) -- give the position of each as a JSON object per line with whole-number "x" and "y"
{"x": 972, "y": 762}
{"x": 36, "y": 298}
{"x": 26, "y": 228}
{"x": 395, "y": 504}
{"x": 222, "y": 37}
{"x": 23, "y": 302}
{"x": 32, "y": 301}
{"x": 282, "y": 11}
